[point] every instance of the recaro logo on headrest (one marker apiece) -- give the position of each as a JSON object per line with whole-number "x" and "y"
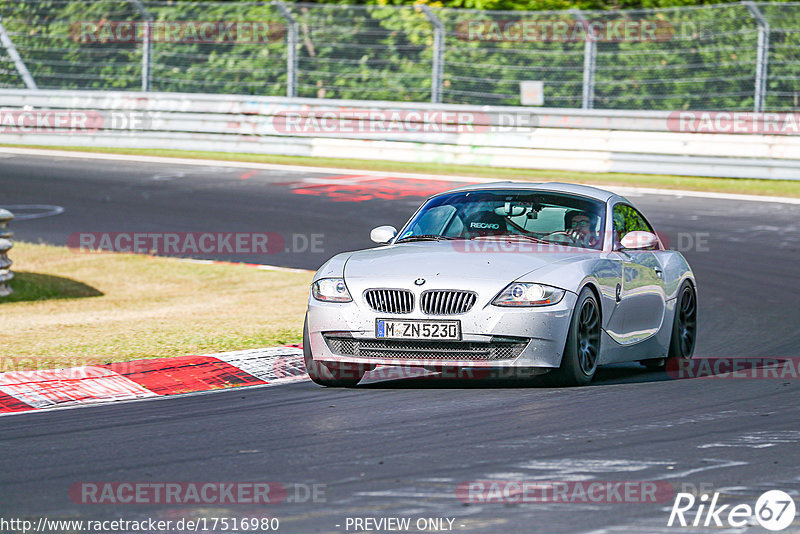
{"x": 493, "y": 226}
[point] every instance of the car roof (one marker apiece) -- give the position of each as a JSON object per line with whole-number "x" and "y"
{"x": 553, "y": 187}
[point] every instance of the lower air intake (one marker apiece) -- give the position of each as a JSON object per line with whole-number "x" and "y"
{"x": 425, "y": 350}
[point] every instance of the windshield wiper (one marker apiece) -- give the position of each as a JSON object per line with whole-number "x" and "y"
{"x": 424, "y": 237}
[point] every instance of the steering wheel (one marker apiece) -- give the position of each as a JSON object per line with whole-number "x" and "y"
{"x": 566, "y": 234}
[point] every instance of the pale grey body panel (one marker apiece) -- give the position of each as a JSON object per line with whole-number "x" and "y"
{"x": 636, "y": 291}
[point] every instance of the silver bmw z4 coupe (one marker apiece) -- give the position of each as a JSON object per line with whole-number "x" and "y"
{"x": 536, "y": 279}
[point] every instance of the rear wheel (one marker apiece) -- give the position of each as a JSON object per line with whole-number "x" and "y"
{"x": 582, "y": 349}
{"x": 684, "y": 330}
{"x": 329, "y": 374}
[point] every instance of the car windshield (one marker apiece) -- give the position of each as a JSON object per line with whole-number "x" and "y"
{"x": 556, "y": 218}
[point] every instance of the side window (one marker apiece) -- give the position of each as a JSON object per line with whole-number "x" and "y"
{"x": 627, "y": 219}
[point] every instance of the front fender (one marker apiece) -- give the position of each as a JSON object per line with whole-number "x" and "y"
{"x": 601, "y": 270}
{"x": 333, "y": 268}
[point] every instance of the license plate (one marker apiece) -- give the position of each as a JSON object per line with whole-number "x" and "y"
{"x": 418, "y": 329}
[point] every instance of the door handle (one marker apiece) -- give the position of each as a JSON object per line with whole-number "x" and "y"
{"x": 659, "y": 272}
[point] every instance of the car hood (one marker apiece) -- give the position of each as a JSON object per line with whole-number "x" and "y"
{"x": 446, "y": 260}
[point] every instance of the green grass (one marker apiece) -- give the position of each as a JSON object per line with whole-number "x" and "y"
{"x": 780, "y": 188}
{"x": 71, "y": 308}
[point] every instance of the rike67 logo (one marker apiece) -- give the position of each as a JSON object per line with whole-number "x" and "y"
{"x": 774, "y": 510}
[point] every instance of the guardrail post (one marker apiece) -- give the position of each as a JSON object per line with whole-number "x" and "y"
{"x": 762, "y": 57}
{"x": 589, "y": 61}
{"x": 5, "y": 245}
{"x": 291, "y": 48}
{"x": 146, "y": 44}
{"x": 8, "y": 44}
{"x": 437, "y": 69}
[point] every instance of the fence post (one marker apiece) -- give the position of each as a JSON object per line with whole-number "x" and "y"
{"x": 589, "y": 61}
{"x": 8, "y": 44}
{"x": 762, "y": 57}
{"x": 291, "y": 48}
{"x": 437, "y": 71}
{"x": 146, "y": 43}
{"x": 5, "y": 245}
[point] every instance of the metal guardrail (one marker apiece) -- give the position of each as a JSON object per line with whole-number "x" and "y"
{"x": 5, "y": 245}
{"x": 494, "y": 136}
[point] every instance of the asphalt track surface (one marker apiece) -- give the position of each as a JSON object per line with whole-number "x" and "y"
{"x": 400, "y": 448}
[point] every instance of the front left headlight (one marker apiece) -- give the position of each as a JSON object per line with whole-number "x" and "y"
{"x": 528, "y": 294}
{"x": 330, "y": 290}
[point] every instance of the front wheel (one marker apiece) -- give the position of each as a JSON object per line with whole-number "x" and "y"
{"x": 330, "y": 375}
{"x": 582, "y": 349}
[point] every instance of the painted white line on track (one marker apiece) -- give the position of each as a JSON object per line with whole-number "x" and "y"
{"x": 260, "y": 266}
{"x": 361, "y": 172}
{"x": 21, "y": 211}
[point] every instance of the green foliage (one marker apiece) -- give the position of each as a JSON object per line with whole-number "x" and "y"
{"x": 383, "y": 51}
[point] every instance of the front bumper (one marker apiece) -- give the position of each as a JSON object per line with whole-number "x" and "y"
{"x": 537, "y": 334}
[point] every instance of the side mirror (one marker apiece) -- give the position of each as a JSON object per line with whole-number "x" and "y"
{"x": 639, "y": 240}
{"x": 383, "y": 234}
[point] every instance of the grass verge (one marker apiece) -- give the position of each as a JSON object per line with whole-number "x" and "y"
{"x": 787, "y": 188}
{"x": 73, "y": 308}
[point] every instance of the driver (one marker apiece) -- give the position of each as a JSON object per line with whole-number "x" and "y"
{"x": 580, "y": 226}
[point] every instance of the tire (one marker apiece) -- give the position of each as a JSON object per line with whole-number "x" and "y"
{"x": 582, "y": 348}
{"x": 684, "y": 327}
{"x": 329, "y": 374}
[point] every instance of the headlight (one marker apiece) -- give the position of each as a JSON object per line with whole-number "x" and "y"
{"x": 330, "y": 290}
{"x": 526, "y": 294}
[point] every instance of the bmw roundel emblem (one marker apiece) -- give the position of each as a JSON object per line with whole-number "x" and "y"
{"x": 419, "y": 281}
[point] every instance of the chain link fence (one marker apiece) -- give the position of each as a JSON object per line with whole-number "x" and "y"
{"x": 739, "y": 56}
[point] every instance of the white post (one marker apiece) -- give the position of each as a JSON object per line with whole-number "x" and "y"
{"x": 291, "y": 48}
{"x": 8, "y": 44}
{"x": 589, "y": 61}
{"x": 146, "y": 44}
{"x": 437, "y": 69}
{"x": 762, "y": 57}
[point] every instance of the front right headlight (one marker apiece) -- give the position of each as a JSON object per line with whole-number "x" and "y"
{"x": 330, "y": 290}
{"x": 528, "y": 294}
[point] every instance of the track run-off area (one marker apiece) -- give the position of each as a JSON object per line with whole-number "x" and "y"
{"x": 407, "y": 448}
